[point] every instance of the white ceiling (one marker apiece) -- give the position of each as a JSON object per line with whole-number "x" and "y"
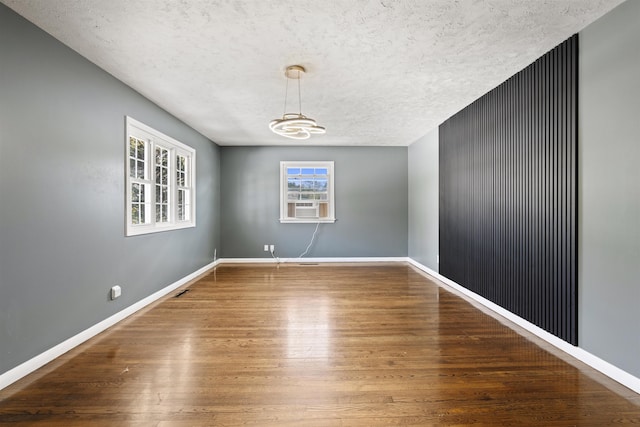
{"x": 380, "y": 72}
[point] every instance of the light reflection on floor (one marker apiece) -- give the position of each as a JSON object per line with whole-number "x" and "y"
{"x": 308, "y": 327}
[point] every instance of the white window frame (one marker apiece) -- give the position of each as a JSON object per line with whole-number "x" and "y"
{"x": 308, "y": 214}
{"x": 153, "y": 139}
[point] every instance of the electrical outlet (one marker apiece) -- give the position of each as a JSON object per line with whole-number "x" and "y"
{"x": 266, "y": 248}
{"x": 116, "y": 291}
{"x": 272, "y": 248}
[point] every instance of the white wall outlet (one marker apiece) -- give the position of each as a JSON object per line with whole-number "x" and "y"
{"x": 266, "y": 248}
{"x": 272, "y": 248}
{"x": 116, "y": 291}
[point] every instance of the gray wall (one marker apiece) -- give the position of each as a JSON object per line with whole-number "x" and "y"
{"x": 370, "y": 197}
{"x": 62, "y": 244}
{"x": 423, "y": 200}
{"x": 609, "y": 188}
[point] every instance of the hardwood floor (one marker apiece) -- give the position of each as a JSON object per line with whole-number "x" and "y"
{"x": 326, "y": 345}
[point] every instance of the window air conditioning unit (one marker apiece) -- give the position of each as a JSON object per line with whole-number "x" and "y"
{"x": 307, "y": 209}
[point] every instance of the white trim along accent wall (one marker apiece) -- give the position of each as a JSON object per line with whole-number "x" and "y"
{"x": 613, "y": 372}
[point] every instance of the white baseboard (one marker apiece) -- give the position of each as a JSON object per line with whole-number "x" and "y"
{"x": 311, "y": 260}
{"x": 611, "y": 371}
{"x": 42, "y": 359}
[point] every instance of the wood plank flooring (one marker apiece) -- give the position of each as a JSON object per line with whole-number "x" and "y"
{"x": 325, "y": 345}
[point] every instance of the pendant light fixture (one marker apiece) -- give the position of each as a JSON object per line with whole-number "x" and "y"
{"x": 295, "y": 125}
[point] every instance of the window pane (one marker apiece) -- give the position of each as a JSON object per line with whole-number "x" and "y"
{"x": 142, "y": 193}
{"x": 181, "y": 200}
{"x": 132, "y": 168}
{"x": 135, "y": 214}
{"x": 321, "y": 171}
{"x": 164, "y": 180}
{"x": 158, "y": 195}
{"x": 132, "y": 147}
{"x": 307, "y": 171}
{"x": 140, "y": 170}
{"x": 140, "y": 150}
{"x": 165, "y": 216}
{"x": 165, "y": 194}
{"x": 321, "y": 184}
{"x": 158, "y": 212}
{"x": 307, "y": 196}
{"x": 293, "y": 171}
{"x": 158, "y": 156}
{"x": 294, "y": 184}
{"x": 135, "y": 192}
{"x": 292, "y": 195}
{"x": 307, "y": 184}
{"x": 165, "y": 157}
{"x": 187, "y": 205}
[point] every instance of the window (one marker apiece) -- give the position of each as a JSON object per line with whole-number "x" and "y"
{"x": 306, "y": 192}
{"x": 160, "y": 192}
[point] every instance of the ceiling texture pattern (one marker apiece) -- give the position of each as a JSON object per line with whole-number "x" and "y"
{"x": 379, "y": 72}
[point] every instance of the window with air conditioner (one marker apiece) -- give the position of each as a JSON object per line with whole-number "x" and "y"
{"x": 306, "y": 192}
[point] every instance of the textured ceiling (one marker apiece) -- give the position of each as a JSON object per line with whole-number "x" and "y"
{"x": 380, "y": 72}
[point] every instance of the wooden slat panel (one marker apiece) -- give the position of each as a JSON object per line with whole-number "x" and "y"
{"x": 508, "y": 180}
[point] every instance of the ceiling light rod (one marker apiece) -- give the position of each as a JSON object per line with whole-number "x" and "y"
{"x": 293, "y": 72}
{"x": 292, "y": 125}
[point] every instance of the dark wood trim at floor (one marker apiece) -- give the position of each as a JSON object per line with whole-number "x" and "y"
{"x": 321, "y": 345}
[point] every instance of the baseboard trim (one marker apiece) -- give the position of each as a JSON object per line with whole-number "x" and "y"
{"x": 604, "y": 367}
{"x": 47, "y": 356}
{"x": 310, "y": 260}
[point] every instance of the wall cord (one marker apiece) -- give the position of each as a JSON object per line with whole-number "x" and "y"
{"x": 311, "y": 242}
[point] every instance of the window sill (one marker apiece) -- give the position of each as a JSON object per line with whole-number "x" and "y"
{"x": 137, "y": 230}
{"x": 307, "y": 221}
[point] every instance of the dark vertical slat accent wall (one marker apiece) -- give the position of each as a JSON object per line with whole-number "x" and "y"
{"x": 508, "y": 189}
